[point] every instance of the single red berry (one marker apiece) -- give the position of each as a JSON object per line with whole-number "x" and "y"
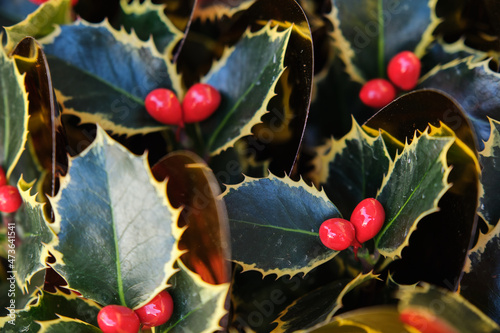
{"x": 404, "y": 70}
{"x": 425, "y": 322}
{"x": 10, "y": 199}
{"x": 368, "y": 218}
{"x": 377, "y": 93}
{"x": 337, "y": 234}
{"x": 162, "y": 104}
{"x": 3, "y": 178}
{"x": 158, "y": 311}
{"x": 200, "y": 102}
{"x": 118, "y": 319}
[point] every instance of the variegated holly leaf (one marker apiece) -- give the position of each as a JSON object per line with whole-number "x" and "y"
{"x": 63, "y": 324}
{"x": 34, "y": 232}
{"x": 245, "y": 94}
{"x": 482, "y": 265}
{"x": 370, "y": 33}
{"x": 49, "y": 306}
{"x": 110, "y": 208}
{"x": 474, "y": 86}
{"x": 216, "y": 9}
{"x": 376, "y": 319}
{"x": 149, "y": 20}
{"x": 412, "y": 188}
{"x": 438, "y": 310}
{"x": 352, "y": 168}
{"x": 14, "y": 11}
{"x": 198, "y": 306}
{"x": 490, "y": 176}
{"x": 13, "y": 113}
{"x": 192, "y": 186}
{"x": 106, "y": 74}
{"x": 317, "y": 308}
{"x": 39, "y": 23}
{"x": 287, "y": 214}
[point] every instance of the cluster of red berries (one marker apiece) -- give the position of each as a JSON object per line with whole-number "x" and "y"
{"x": 200, "y": 101}
{"x": 366, "y": 221}
{"x": 10, "y": 199}
{"x": 120, "y": 319}
{"x": 403, "y": 71}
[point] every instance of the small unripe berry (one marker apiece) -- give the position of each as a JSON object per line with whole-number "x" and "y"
{"x": 118, "y": 319}
{"x": 377, "y": 93}
{"x": 10, "y": 199}
{"x": 337, "y": 234}
{"x": 200, "y": 102}
{"x": 368, "y": 218}
{"x": 404, "y": 70}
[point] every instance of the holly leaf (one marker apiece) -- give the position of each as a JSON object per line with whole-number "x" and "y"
{"x": 47, "y": 306}
{"x": 356, "y": 33}
{"x": 352, "y": 168}
{"x": 375, "y": 319}
{"x": 412, "y": 188}
{"x": 474, "y": 86}
{"x": 63, "y": 324}
{"x": 287, "y": 214}
{"x": 32, "y": 254}
{"x": 122, "y": 218}
{"x": 213, "y": 10}
{"x": 317, "y": 308}
{"x": 14, "y": 11}
{"x": 482, "y": 265}
{"x": 192, "y": 185}
{"x": 489, "y": 158}
{"x": 13, "y": 113}
{"x": 449, "y": 308}
{"x": 149, "y": 20}
{"x": 199, "y": 306}
{"x": 244, "y": 96}
{"x": 106, "y": 74}
{"x": 40, "y": 23}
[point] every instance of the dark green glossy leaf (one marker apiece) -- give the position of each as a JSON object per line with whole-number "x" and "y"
{"x": 412, "y": 188}
{"x": 31, "y": 255}
{"x": 103, "y": 75}
{"x": 111, "y": 209}
{"x": 287, "y": 215}
{"x": 449, "y": 307}
{"x": 406, "y": 25}
{"x": 490, "y": 176}
{"x": 475, "y": 87}
{"x": 480, "y": 283}
{"x": 13, "y": 113}
{"x": 316, "y": 308}
{"x": 40, "y": 23}
{"x": 198, "y": 306}
{"x": 192, "y": 186}
{"x": 14, "y": 11}
{"x": 67, "y": 325}
{"x": 148, "y": 20}
{"x": 47, "y": 306}
{"x": 352, "y": 168}
{"x": 246, "y": 94}
{"x": 375, "y": 319}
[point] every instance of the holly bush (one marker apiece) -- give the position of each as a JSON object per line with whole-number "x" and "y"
{"x": 224, "y": 214}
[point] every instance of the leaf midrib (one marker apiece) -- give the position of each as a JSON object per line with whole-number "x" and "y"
{"x": 309, "y": 233}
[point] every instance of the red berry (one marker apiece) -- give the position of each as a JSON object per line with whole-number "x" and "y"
{"x": 337, "y": 234}
{"x": 162, "y": 104}
{"x": 425, "y": 322}
{"x": 404, "y": 70}
{"x": 10, "y": 199}
{"x": 200, "y": 102}
{"x": 158, "y": 311}
{"x": 3, "y": 178}
{"x": 118, "y": 319}
{"x": 368, "y": 218}
{"x": 377, "y": 93}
